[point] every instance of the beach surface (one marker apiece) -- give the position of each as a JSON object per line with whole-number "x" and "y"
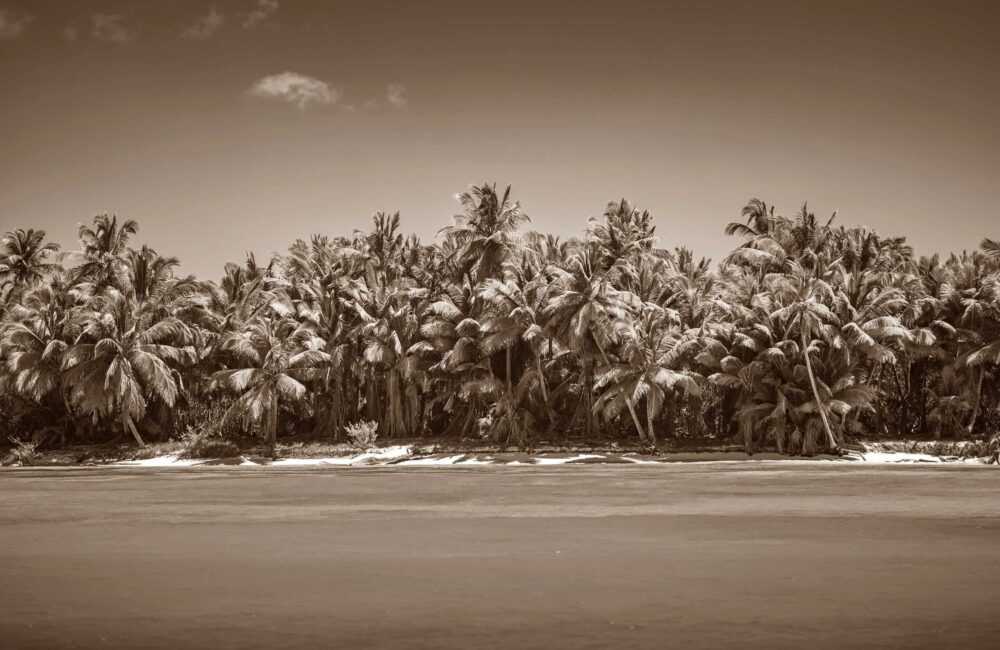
{"x": 708, "y": 555}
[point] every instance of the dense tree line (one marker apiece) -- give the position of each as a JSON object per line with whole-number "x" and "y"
{"x": 806, "y": 335}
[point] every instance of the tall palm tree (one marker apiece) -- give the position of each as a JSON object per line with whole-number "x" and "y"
{"x": 581, "y": 312}
{"x": 805, "y": 311}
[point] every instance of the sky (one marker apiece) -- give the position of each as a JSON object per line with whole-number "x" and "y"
{"x": 226, "y": 126}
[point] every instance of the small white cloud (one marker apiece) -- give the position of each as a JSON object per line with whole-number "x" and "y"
{"x": 70, "y": 33}
{"x": 260, "y": 13}
{"x": 13, "y": 23}
{"x": 112, "y": 28}
{"x": 205, "y": 26}
{"x": 294, "y": 88}
{"x": 395, "y": 94}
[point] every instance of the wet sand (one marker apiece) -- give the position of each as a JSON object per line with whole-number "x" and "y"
{"x": 747, "y": 555}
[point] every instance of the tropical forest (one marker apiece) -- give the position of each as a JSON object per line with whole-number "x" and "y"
{"x": 808, "y": 336}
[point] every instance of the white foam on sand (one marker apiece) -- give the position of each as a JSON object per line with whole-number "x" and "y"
{"x": 170, "y": 460}
{"x": 641, "y": 461}
{"x": 908, "y": 457}
{"x": 448, "y": 460}
{"x": 376, "y": 456}
{"x": 563, "y": 461}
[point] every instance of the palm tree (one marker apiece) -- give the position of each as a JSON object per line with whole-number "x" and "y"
{"x": 485, "y": 231}
{"x": 268, "y": 372}
{"x": 805, "y": 311}
{"x": 649, "y": 369}
{"x": 387, "y": 330}
{"x": 35, "y": 337}
{"x": 25, "y": 259}
{"x": 103, "y": 248}
{"x": 450, "y": 344}
{"x": 623, "y": 232}
{"x": 122, "y": 360}
{"x": 518, "y": 309}
{"x": 581, "y": 312}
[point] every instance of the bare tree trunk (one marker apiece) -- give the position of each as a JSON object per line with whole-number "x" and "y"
{"x": 272, "y": 424}
{"x": 545, "y": 390}
{"x": 819, "y": 402}
{"x": 588, "y": 393}
{"x": 649, "y": 420}
{"x": 128, "y": 425}
{"x": 976, "y": 399}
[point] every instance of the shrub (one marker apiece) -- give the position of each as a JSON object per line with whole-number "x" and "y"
{"x": 24, "y": 452}
{"x": 362, "y": 435}
{"x": 202, "y": 444}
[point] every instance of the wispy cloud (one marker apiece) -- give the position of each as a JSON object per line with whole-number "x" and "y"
{"x": 71, "y": 33}
{"x": 395, "y": 94}
{"x": 296, "y": 89}
{"x": 112, "y": 28}
{"x": 13, "y": 23}
{"x": 260, "y": 13}
{"x": 205, "y": 26}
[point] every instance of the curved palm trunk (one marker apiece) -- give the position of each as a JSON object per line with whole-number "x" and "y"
{"x": 819, "y": 403}
{"x": 128, "y": 425}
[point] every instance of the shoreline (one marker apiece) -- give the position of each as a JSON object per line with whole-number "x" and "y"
{"x": 303, "y": 456}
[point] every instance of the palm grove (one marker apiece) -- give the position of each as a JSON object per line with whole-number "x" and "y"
{"x": 808, "y": 335}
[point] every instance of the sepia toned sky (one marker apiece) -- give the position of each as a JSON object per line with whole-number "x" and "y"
{"x": 226, "y": 126}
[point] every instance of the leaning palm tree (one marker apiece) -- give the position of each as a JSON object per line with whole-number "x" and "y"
{"x": 122, "y": 360}
{"x": 805, "y": 311}
{"x": 267, "y": 373}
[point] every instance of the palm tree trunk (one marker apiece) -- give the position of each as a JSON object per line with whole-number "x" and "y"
{"x": 545, "y": 390}
{"x": 510, "y": 386}
{"x": 976, "y": 400}
{"x": 649, "y": 420}
{"x": 272, "y": 424}
{"x": 587, "y": 390}
{"x": 128, "y": 425}
{"x": 819, "y": 402}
